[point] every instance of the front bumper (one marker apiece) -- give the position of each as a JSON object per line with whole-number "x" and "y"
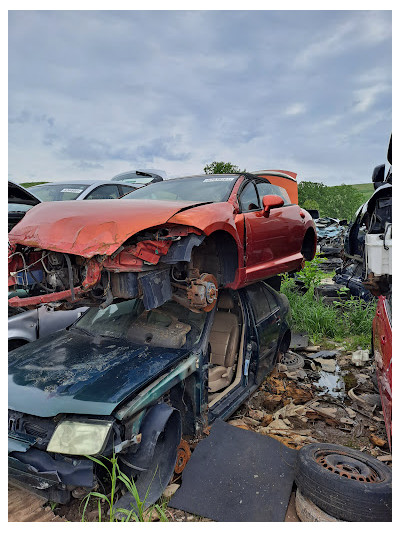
{"x": 53, "y": 476}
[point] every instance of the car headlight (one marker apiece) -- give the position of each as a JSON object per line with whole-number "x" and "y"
{"x": 79, "y": 438}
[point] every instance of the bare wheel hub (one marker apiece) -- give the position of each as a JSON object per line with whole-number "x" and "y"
{"x": 183, "y": 456}
{"x": 203, "y": 293}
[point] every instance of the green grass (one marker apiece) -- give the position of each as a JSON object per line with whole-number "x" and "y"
{"x": 366, "y": 189}
{"x": 349, "y": 321}
{"x": 32, "y": 183}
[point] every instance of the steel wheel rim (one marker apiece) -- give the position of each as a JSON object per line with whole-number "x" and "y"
{"x": 347, "y": 467}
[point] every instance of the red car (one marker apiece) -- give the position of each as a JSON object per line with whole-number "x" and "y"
{"x": 382, "y": 347}
{"x": 179, "y": 239}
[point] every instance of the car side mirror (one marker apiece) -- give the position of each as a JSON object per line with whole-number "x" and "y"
{"x": 270, "y": 201}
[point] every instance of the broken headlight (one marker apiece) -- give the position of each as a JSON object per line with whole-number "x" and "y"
{"x": 80, "y": 438}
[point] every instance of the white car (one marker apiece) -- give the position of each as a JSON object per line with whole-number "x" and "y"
{"x": 81, "y": 190}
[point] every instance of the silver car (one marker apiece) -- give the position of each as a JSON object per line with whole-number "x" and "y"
{"x": 27, "y": 326}
{"x": 81, "y": 190}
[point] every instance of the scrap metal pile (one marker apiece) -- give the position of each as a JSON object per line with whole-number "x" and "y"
{"x": 330, "y": 238}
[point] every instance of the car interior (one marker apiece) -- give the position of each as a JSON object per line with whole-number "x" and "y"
{"x": 226, "y": 343}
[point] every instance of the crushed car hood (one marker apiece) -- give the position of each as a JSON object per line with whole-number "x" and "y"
{"x": 92, "y": 227}
{"x": 73, "y": 372}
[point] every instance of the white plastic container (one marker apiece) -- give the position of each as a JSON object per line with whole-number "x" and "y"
{"x": 379, "y": 260}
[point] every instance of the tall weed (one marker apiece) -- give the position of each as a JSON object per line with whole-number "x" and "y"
{"x": 142, "y": 513}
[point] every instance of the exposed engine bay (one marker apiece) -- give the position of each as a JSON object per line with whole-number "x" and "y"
{"x": 156, "y": 265}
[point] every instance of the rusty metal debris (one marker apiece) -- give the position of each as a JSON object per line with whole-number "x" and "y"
{"x": 183, "y": 457}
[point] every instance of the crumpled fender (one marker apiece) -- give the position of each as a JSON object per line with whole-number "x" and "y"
{"x": 151, "y": 427}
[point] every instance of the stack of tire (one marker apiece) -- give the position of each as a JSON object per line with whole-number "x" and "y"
{"x": 336, "y": 483}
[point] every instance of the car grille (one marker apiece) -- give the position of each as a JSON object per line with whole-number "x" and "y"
{"x": 41, "y": 428}
{"x": 35, "y": 430}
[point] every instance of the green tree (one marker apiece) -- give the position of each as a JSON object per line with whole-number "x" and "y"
{"x": 219, "y": 167}
{"x": 339, "y": 201}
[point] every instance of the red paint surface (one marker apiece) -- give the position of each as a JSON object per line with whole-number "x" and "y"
{"x": 382, "y": 342}
{"x": 92, "y": 227}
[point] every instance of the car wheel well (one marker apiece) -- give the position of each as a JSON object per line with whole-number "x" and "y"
{"x": 308, "y": 247}
{"x": 218, "y": 255}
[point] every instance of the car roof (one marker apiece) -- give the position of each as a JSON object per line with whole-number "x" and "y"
{"x": 85, "y": 182}
{"x": 207, "y": 176}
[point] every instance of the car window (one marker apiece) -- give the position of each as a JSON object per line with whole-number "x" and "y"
{"x": 259, "y": 301}
{"x": 55, "y": 193}
{"x": 170, "y": 325}
{"x": 125, "y": 189}
{"x": 208, "y": 188}
{"x": 104, "y": 192}
{"x": 264, "y": 189}
{"x": 248, "y": 198}
{"x": 19, "y": 208}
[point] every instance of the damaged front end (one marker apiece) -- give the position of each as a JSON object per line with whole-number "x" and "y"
{"x": 156, "y": 264}
{"x": 34, "y": 464}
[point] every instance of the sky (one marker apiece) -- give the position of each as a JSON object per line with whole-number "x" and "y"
{"x": 95, "y": 93}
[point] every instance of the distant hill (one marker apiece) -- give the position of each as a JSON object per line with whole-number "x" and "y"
{"x": 366, "y": 189}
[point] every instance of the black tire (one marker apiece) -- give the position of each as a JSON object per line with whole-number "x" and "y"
{"x": 307, "y": 511}
{"x": 345, "y": 483}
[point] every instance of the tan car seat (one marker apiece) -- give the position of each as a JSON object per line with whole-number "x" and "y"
{"x": 224, "y": 341}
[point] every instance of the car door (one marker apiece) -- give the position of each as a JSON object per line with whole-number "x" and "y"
{"x": 267, "y": 317}
{"x": 254, "y": 238}
{"x": 266, "y": 238}
{"x": 285, "y": 224}
{"x": 104, "y": 192}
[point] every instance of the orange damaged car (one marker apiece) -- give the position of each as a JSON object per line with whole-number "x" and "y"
{"x": 179, "y": 239}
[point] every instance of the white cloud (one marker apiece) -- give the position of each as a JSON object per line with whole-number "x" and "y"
{"x": 365, "y": 98}
{"x": 295, "y": 109}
